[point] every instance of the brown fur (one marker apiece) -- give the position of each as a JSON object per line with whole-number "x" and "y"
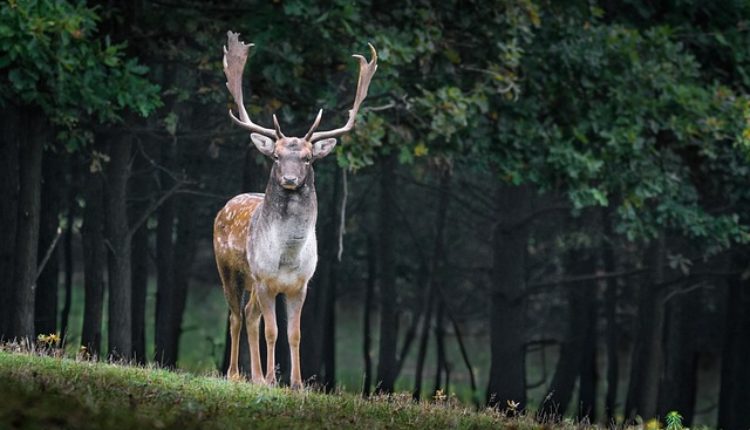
{"x": 230, "y": 242}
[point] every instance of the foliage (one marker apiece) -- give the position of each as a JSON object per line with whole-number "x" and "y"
{"x": 674, "y": 421}
{"x": 615, "y": 115}
{"x": 53, "y": 59}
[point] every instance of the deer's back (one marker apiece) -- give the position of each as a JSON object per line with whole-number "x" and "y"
{"x": 231, "y": 230}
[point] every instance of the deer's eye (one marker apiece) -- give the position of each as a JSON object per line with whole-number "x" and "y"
{"x": 275, "y": 158}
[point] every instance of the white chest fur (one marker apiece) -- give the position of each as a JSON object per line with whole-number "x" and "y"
{"x": 283, "y": 253}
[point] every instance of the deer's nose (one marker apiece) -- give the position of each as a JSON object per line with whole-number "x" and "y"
{"x": 289, "y": 180}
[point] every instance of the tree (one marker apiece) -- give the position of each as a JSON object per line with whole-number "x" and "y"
{"x": 57, "y": 71}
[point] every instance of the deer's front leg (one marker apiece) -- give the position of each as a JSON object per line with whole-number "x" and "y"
{"x": 294, "y": 304}
{"x": 252, "y": 324}
{"x": 267, "y": 302}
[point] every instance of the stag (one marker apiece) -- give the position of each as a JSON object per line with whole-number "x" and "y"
{"x": 267, "y": 241}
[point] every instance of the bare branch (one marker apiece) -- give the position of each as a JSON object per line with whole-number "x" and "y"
{"x": 681, "y": 291}
{"x": 48, "y": 254}
{"x": 154, "y": 206}
{"x": 342, "y": 223}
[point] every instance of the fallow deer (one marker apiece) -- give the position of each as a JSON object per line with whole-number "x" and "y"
{"x": 267, "y": 241}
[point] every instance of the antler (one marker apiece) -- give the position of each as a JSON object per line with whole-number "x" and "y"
{"x": 366, "y": 71}
{"x": 235, "y": 56}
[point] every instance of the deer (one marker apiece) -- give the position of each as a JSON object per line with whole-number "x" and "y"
{"x": 267, "y": 240}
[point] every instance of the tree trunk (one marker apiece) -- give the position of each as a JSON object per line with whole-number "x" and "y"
{"x": 388, "y": 312}
{"x": 441, "y": 362}
{"x": 588, "y": 369}
{"x": 581, "y": 296}
{"x": 647, "y": 358}
{"x": 318, "y": 314}
{"x": 119, "y": 331}
{"x": 27, "y": 235}
{"x": 423, "y": 341}
{"x": 329, "y": 338}
{"x": 140, "y": 252}
{"x": 735, "y": 374}
{"x": 679, "y": 381}
{"x": 421, "y": 280}
{"x": 367, "y": 314}
{"x": 329, "y": 328}
{"x": 9, "y": 134}
{"x": 186, "y": 246}
{"x": 433, "y": 292}
{"x": 164, "y": 354}
{"x": 139, "y": 276}
{"x": 612, "y": 330}
{"x": 94, "y": 261}
{"x": 45, "y": 306}
{"x": 68, "y": 249}
{"x": 507, "y": 380}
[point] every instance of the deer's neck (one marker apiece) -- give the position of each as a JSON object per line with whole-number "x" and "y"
{"x": 292, "y": 212}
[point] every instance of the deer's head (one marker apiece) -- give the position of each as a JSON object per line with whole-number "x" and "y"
{"x": 293, "y": 156}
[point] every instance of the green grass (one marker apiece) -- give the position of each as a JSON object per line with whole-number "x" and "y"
{"x": 40, "y": 392}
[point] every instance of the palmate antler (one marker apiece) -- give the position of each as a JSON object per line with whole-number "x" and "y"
{"x": 235, "y": 57}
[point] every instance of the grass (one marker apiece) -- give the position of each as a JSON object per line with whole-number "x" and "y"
{"x": 40, "y": 392}
{"x": 202, "y": 346}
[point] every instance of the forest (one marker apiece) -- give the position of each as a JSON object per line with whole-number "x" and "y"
{"x": 543, "y": 206}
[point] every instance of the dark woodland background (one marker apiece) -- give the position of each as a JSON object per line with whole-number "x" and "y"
{"x": 543, "y": 202}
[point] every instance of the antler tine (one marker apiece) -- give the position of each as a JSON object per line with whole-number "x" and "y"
{"x": 314, "y": 126}
{"x": 366, "y": 71}
{"x": 279, "y": 134}
{"x": 235, "y": 57}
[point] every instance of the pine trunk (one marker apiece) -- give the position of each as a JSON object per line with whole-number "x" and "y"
{"x": 164, "y": 354}
{"x": 581, "y": 296}
{"x": 94, "y": 261}
{"x": 388, "y": 313}
{"x": 45, "y": 306}
{"x": 735, "y": 374}
{"x": 27, "y": 233}
{"x": 367, "y": 314}
{"x": 9, "y": 175}
{"x": 68, "y": 250}
{"x": 679, "y": 380}
{"x": 119, "y": 333}
{"x": 612, "y": 329}
{"x": 510, "y": 237}
{"x": 647, "y": 358}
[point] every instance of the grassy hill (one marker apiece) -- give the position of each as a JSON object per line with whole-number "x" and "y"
{"x": 47, "y": 392}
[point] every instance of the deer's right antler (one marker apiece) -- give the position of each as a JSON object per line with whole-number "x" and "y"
{"x": 235, "y": 56}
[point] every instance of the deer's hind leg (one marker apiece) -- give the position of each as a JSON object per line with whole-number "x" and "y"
{"x": 233, "y": 294}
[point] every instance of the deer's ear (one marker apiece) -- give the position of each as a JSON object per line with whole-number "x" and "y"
{"x": 323, "y": 147}
{"x": 264, "y": 144}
